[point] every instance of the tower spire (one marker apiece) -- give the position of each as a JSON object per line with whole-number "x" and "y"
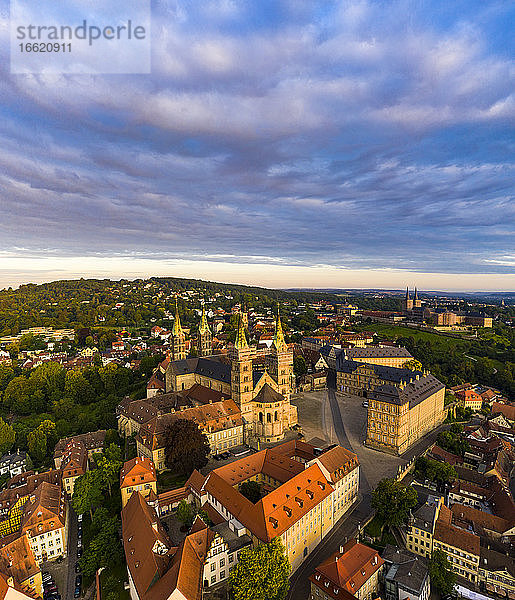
{"x": 177, "y": 329}
{"x": 279, "y": 342}
{"x": 407, "y": 293}
{"x": 415, "y": 297}
{"x": 203, "y": 327}
{"x": 241, "y": 339}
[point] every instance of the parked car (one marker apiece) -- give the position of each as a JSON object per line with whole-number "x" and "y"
{"x": 79, "y": 518}
{"x": 365, "y": 404}
{"x": 79, "y": 542}
{"x": 76, "y": 594}
{"x": 50, "y": 590}
{"x": 77, "y": 567}
{"x": 217, "y": 457}
{"x": 79, "y": 552}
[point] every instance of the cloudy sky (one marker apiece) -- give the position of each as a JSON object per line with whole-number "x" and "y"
{"x": 320, "y": 144}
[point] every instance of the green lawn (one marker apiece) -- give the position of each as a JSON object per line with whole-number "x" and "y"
{"x": 374, "y": 528}
{"x": 394, "y": 331}
{"x": 169, "y": 480}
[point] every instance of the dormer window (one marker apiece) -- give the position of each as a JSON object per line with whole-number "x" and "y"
{"x": 299, "y": 501}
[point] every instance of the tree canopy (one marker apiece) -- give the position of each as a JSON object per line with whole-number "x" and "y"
{"x": 186, "y": 447}
{"x": 251, "y": 490}
{"x": 436, "y": 471}
{"x": 440, "y": 573}
{"x": 393, "y": 501}
{"x": 261, "y": 573}
{"x": 7, "y": 437}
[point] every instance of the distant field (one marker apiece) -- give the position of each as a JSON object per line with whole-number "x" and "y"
{"x": 394, "y": 331}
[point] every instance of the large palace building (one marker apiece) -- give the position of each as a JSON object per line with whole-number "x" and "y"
{"x": 263, "y": 397}
{"x": 399, "y": 415}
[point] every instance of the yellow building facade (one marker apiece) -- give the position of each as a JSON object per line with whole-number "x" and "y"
{"x": 397, "y": 417}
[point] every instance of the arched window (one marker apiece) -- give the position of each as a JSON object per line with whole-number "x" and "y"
{"x": 260, "y": 417}
{"x": 268, "y": 417}
{"x": 276, "y": 416}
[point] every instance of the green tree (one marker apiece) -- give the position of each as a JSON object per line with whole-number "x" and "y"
{"x": 6, "y": 374}
{"x": 261, "y": 573}
{"x": 78, "y": 388}
{"x": 87, "y": 492}
{"x": 48, "y": 378}
{"x": 251, "y": 490}
{"x": 37, "y": 445}
{"x": 393, "y": 501}
{"x": 299, "y": 366}
{"x": 440, "y": 573}
{"x": 104, "y": 548}
{"x": 109, "y": 471}
{"x": 436, "y": 471}
{"x": 412, "y": 365}
{"x": 23, "y": 397}
{"x": 185, "y": 513}
{"x": 7, "y": 436}
{"x": 186, "y": 447}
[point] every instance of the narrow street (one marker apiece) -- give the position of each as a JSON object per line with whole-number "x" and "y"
{"x": 346, "y": 528}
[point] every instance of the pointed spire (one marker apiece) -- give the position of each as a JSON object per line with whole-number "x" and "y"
{"x": 279, "y": 342}
{"x": 415, "y": 297}
{"x": 177, "y": 329}
{"x": 407, "y": 293}
{"x": 203, "y": 327}
{"x": 241, "y": 339}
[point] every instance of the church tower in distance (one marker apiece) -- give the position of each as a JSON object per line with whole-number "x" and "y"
{"x": 242, "y": 385}
{"x": 281, "y": 361}
{"x": 408, "y": 302}
{"x": 204, "y": 336}
{"x": 178, "y": 349}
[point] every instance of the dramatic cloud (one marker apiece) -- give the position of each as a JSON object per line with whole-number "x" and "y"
{"x": 338, "y": 136}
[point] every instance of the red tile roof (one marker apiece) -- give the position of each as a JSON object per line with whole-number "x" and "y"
{"x": 347, "y": 572}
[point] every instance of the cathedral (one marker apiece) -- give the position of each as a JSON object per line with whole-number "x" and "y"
{"x": 263, "y": 396}
{"x": 411, "y": 303}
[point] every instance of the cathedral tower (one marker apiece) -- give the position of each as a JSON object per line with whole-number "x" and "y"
{"x": 281, "y": 361}
{"x": 204, "y": 336}
{"x": 408, "y": 302}
{"x": 417, "y": 303}
{"x": 178, "y": 338}
{"x": 242, "y": 385}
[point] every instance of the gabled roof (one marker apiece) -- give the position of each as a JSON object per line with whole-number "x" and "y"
{"x": 142, "y": 530}
{"x": 339, "y": 462}
{"x": 376, "y": 352}
{"x": 279, "y": 509}
{"x": 17, "y": 559}
{"x": 213, "y": 367}
{"x": 347, "y": 571}
{"x": 91, "y": 440}
{"x": 137, "y": 470}
{"x": 414, "y": 393}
